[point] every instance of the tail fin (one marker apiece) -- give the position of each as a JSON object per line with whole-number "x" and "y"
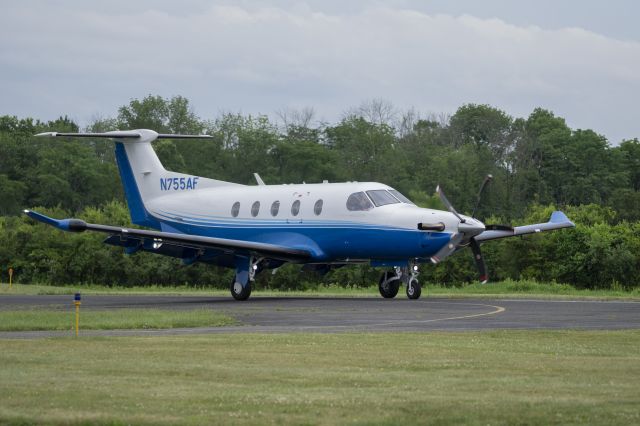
{"x": 142, "y": 174}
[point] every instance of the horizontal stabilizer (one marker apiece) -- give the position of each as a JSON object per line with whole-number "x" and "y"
{"x": 117, "y": 134}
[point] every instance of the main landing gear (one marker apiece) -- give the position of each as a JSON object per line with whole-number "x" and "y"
{"x": 390, "y": 281}
{"x": 246, "y": 269}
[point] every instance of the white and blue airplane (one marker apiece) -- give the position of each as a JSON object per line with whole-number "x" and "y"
{"x": 255, "y": 227}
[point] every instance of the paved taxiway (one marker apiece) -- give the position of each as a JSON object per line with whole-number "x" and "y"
{"x": 324, "y": 314}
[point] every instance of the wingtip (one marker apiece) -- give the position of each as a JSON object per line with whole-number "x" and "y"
{"x": 46, "y": 134}
{"x": 40, "y": 217}
{"x": 73, "y": 225}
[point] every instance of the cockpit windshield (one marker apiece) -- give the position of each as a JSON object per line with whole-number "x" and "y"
{"x": 381, "y": 197}
{"x": 400, "y": 197}
{"x": 358, "y": 201}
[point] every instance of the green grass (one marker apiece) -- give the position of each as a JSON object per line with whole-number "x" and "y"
{"x": 508, "y": 288}
{"x": 22, "y": 320}
{"x": 505, "y": 377}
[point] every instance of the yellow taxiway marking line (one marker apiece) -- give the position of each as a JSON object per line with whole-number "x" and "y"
{"x": 497, "y": 310}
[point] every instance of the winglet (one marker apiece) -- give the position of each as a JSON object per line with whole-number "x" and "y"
{"x": 72, "y": 225}
{"x": 559, "y": 217}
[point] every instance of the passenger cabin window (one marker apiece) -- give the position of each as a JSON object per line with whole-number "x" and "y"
{"x": 400, "y": 197}
{"x": 275, "y": 208}
{"x": 295, "y": 208}
{"x": 255, "y": 209}
{"x": 358, "y": 201}
{"x": 381, "y": 197}
{"x": 317, "y": 207}
{"x": 235, "y": 209}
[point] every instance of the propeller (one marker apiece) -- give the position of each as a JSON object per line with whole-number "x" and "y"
{"x": 448, "y": 249}
{"x": 496, "y": 227}
{"x": 469, "y": 230}
{"x": 477, "y": 256}
{"x": 490, "y": 227}
{"x": 449, "y": 206}
{"x": 486, "y": 180}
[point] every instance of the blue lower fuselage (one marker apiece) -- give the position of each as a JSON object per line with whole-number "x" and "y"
{"x": 327, "y": 241}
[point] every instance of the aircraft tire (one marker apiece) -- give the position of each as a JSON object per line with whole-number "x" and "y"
{"x": 414, "y": 290}
{"x": 389, "y": 287}
{"x": 239, "y": 292}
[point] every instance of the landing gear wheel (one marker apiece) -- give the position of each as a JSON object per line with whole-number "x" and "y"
{"x": 239, "y": 292}
{"x": 413, "y": 289}
{"x": 389, "y": 285}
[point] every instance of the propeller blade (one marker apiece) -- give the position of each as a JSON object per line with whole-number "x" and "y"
{"x": 486, "y": 180}
{"x": 497, "y": 227}
{"x": 477, "y": 256}
{"x": 446, "y": 202}
{"x": 448, "y": 249}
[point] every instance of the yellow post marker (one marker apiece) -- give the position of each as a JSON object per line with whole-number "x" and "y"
{"x": 10, "y": 276}
{"x": 76, "y": 301}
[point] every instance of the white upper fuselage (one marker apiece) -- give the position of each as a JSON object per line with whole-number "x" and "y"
{"x": 216, "y": 204}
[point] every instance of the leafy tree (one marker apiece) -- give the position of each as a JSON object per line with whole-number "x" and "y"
{"x": 162, "y": 115}
{"x": 483, "y": 126}
{"x": 248, "y": 142}
{"x": 366, "y": 150}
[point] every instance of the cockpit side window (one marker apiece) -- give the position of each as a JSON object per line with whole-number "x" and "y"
{"x": 358, "y": 201}
{"x": 381, "y": 197}
{"x": 400, "y": 197}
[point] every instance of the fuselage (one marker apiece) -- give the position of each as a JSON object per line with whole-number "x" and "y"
{"x": 338, "y": 222}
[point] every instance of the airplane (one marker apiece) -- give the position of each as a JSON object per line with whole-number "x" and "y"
{"x": 252, "y": 228}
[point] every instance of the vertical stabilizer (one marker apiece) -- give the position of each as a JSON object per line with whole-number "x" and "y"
{"x": 142, "y": 174}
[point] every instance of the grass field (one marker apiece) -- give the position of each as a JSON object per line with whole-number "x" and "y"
{"x": 506, "y": 377}
{"x": 37, "y": 319}
{"x": 498, "y": 289}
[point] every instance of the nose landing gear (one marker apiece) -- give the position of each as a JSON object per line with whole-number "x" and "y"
{"x": 413, "y": 288}
{"x": 390, "y": 281}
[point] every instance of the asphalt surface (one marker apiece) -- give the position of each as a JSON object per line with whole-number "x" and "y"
{"x": 330, "y": 314}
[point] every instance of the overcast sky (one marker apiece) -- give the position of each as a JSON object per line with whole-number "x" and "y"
{"x": 581, "y": 59}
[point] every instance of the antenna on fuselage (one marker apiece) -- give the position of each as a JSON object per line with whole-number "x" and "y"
{"x": 258, "y": 179}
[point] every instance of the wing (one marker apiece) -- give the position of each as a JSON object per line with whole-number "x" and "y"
{"x": 558, "y": 221}
{"x": 169, "y": 243}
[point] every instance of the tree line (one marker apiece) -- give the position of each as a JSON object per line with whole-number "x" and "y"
{"x": 538, "y": 164}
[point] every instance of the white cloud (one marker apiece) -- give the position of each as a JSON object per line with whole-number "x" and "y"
{"x": 57, "y": 59}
